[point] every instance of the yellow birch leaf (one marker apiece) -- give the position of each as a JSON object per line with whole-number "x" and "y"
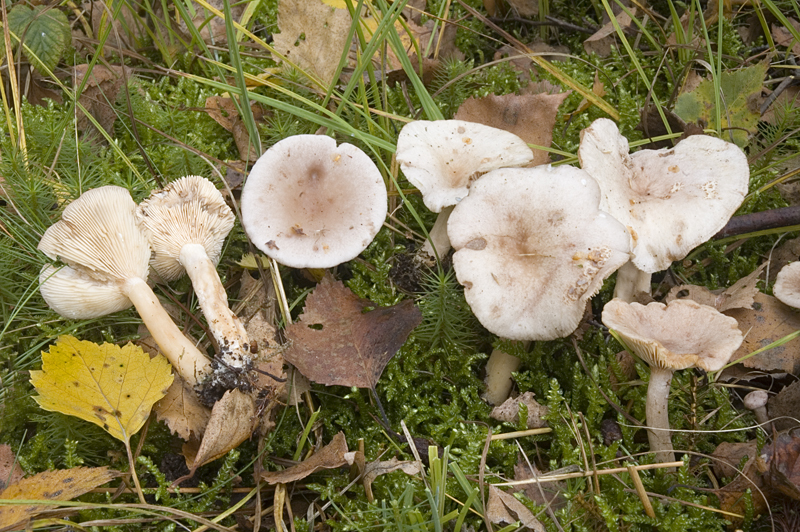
{"x": 61, "y": 485}
{"x": 111, "y": 386}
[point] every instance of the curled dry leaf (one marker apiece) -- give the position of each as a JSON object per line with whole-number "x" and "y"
{"x": 329, "y": 457}
{"x": 741, "y": 295}
{"x": 232, "y": 421}
{"x": 182, "y": 411}
{"x": 374, "y": 469}
{"x": 784, "y": 406}
{"x": 223, "y": 111}
{"x": 100, "y": 93}
{"x": 61, "y": 485}
{"x": 531, "y": 117}
{"x": 504, "y": 509}
{"x": 509, "y": 411}
{"x": 10, "y": 471}
{"x": 334, "y": 343}
{"x": 769, "y": 320}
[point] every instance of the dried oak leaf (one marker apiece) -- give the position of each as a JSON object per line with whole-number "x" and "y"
{"x": 232, "y": 421}
{"x": 509, "y": 411}
{"x": 61, "y": 485}
{"x": 741, "y": 295}
{"x": 111, "y": 386}
{"x": 329, "y": 457}
{"x": 504, "y": 509}
{"x": 334, "y": 343}
{"x": 769, "y": 320}
{"x": 531, "y": 117}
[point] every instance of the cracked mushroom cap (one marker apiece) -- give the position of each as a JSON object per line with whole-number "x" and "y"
{"x": 532, "y": 247}
{"x": 442, "y": 158}
{"x": 98, "y": 235}
{"x": 787, "y": 285}
{"x": 308, "y": 203}
{"x": 671, "y": 200}
{"x": 189, "y": 210}
{"x": 680, "y": 335}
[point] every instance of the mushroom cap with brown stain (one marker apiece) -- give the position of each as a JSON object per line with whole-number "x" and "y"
{"x": 680, "y": 335}
{"x": 532, "y": 247}
{"x": 671, "y": 200}
{"x": 787, "y": 285}
{"x": 98, "y": 235}
{"x": 308, "y": 203}
{"x": 189, "y": 210}
{"x": 442, "y": 158}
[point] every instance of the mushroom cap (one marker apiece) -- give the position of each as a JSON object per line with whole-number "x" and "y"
{"x": 77, "y": 296}
{"x": 532, "y": 248}
{"x": 189, "y": 210}
{"x": 443, "y": 158}
{"x": 756, "y": 399}
{"x": 787, "y": 285}
{"x": 310, "y": 204}
{"x": 98, "y": 235}
{"x": 671, "y": 200}
{"x": 679, "y": 335}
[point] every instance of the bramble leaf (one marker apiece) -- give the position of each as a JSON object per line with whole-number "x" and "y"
{"x": 44, "y": 30}
{"x": 111, "y": 386}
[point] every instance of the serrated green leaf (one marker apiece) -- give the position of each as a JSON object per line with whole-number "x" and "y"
{"x": 740, "y": 111}
{"x": 111, "y": 386}
{"x": 45, "y": 32}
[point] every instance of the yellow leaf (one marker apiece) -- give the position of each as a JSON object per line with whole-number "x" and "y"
{"x": 111, "y": 386}
{"x": 61, "y": 485}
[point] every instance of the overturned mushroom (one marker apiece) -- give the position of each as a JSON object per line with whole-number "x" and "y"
{"x": 187, "y": 223}
{"x": 444, "y": 157}
{"x": 308, "y": 203}
{"x": 671, "y": 201}
{"x": 108, "y": 261}
{"x": 787, "y": 285}
{"x": 681, "y": 335}
{"x": 532, "y": 247}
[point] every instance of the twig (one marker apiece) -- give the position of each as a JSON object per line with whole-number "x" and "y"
{"x": 520, "y": 434}
{"x": 760, "y": 221}
{"x": 550, "y": 21}
{"x": 582, "y": 474}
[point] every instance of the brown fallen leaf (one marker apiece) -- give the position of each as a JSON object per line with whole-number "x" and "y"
{"x": 783, "y": 457}
{"x": 783, "y": 37}
{"x": 61, "y": 485}
{"x": 231, "y": 422}
{"x": 182, "y": 411}
{"x": 504, "y": 509}
{"x": 509, "y": 411}
{"x": 223, "y": 111}
{"x": 373, "y": 470}
{"x": 727, "y": 457}
{"x": 128, "y": 30}
{"x": 100, "y": 93}
{"x": 525, "y": 8}
{"x": 768, "y": 321}
{"x": 741, "y": 295}
{"x": 604, "y": 38}
{"x": 329, "y": 457}
{"x": 10, "y": 471}
{"x": 334, "y": 343}
{"x": 530, "y": 116}
{"x": 212, "y": 28}
{"x": 783, "y": 407}
{"x": 543, "y": 494}
{"x": 312, "y": 36}
{"x": 598, "y": 88}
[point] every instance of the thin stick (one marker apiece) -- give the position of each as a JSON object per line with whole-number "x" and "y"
{"x": 556, "y": 478}
{"x": 521, "y": 434}
{"x": 637, "y": 483}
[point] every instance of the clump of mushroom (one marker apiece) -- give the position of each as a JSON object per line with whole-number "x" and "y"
{"x": 187, "y": 223}
{"x": 670, "y": 200}
{"x": 309, "y": 203}
{"x": 532, "y": 247}
{"x": 680, "y": 335}
{"x": 107, "y": 259}
{"x": 444, "y": 157}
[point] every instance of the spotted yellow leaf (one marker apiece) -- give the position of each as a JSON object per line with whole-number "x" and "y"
{"x": 61, "y": 485}
{"x": 111, "y": 386}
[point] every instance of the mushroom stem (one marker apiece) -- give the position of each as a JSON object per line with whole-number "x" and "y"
{"x": 498, "y": 379}
{"x": 631, "y": 283}
{"x": 437, "y": 237}
{"x": 184, "y": 356}
{"x": 658, "y": 414}
{"x": 226, "y": 327}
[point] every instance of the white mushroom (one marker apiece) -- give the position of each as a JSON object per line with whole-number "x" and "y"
{"x": 107, "y": 257}
{"x": 310, "y": 204}
{"x": 671, "y": 201}
{"x": 787, "y": 285}
{"x": 681, "y": 335}
{"x": 756, "y": 402}
{"x": 443, "y": 158}
{"x": 532, "y": 247}
{"x": 187, "y": 223}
